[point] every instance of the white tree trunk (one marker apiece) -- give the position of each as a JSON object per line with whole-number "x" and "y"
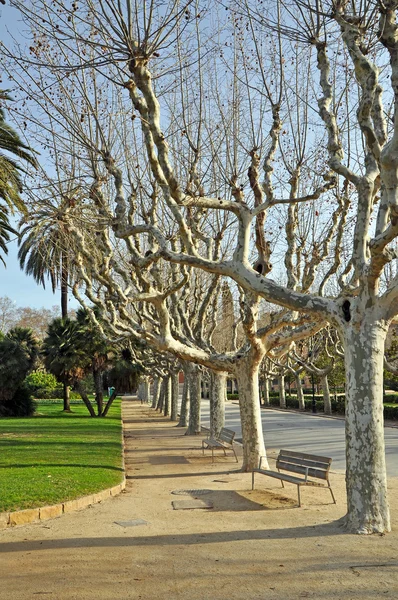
{"x": 282, "y": 393}
{"x": 250, "y": 415}
{"x": 366, "y": 480}
{"x": 266, "y": 391}
{"x": 141, "y": 392}
{"x": 300, "y": 395}
{"x": 155, "y": 392}
{"x": 218, "y": 382}
{"x": 162, "y": 393}
{"x": 167, "y": 397}
{"x": 327, "y": 405}
{"x": 174, "y": 395}
{"x": 183, "y": 422}
{"x": 195, "y": 397}
{"x": 146, "y": 389}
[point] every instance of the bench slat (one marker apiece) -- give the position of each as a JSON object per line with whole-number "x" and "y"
{"x": 318, "y": 473}
{"x": 288, "y": 478}
{"x": 226, "y": 437}
{"x": 314, "y": 457}
{"x": 302, "y": 461}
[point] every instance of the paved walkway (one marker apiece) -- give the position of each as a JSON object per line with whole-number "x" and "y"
{"x": 249, "y": 546}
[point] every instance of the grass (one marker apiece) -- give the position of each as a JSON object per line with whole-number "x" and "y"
{"x": 55, "y": 456}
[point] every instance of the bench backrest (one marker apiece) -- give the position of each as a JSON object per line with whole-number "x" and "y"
{"x": 226, "y": 435}
{"x": 298, "y": 462}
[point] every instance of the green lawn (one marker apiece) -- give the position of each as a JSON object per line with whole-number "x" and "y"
{"x": 55, "y": 456}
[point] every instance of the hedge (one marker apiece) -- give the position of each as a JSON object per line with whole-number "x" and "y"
{"x": 338, "y": 407}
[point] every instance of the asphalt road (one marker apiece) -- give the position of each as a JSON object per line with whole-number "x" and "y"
{"x": 306, "y": 433}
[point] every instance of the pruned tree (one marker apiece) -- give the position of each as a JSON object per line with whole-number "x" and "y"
{"x": 335, "y": 277}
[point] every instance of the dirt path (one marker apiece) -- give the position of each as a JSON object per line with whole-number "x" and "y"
{"x": 250, "y": 545}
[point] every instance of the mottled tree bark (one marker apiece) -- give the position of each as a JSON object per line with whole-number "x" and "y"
{"x": 327, "y": 405}
{"x": 282, "y": 393}
{"x": 174, "y": 395}
{"x": 194, "y": 401}
{"x": 162, "y": 394}
{"x": 146, "y": 389}
{"x": 300, "y": 395}
{"x": 183, "y": 422}
{"x": 366, "y": 479}
{"x": 155, "y": 392}
{"x": 167, "y": 397}
{"x": 250, "y": 414}
{"x": 218, "y": 382}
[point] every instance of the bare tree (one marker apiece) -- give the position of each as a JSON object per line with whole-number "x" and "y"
{"x": 142, "y": 58}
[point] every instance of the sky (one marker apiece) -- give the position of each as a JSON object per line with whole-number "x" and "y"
{"x": 13, "y": 282}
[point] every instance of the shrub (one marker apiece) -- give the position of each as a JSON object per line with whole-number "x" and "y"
{"x": 56, "y": 393}
{"x": 390, "y": 398}
{"x": 38, "y": 381}
{"x": 21, "y": 404}
{"x": 391, "y": 413}
{"x": 46, "y": 393}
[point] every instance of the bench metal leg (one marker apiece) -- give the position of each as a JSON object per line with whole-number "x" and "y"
{"x": 233, "y": 450}
{"x": 252, "y": 480}
{"x": 331, "y": 491}
{"x": 283, "y": 485}
{"x": 212, "y": 454}
{"x": 298, "y": 494}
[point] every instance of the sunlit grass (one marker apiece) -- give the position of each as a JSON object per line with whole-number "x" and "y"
{"x": 56, "y": 456}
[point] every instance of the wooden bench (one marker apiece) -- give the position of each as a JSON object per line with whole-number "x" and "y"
{"x": 224, "y": 441}
{"x": 309, "y": 465}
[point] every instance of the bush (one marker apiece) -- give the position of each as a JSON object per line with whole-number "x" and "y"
{"x": 46, "y": 393}
{"x": 56, "y": 393}
{"x": 39, "y": 382}
{"x": 338, "y": 406}
{"x": 21, "y": 404}
{"x": 233, "y": 396}
{"x": 390, "y": 398}
{"x": 391, "y": 413}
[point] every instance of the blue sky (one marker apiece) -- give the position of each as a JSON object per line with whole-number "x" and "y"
{"x": 22, "y": 289}
{"x": 13, "y": 282}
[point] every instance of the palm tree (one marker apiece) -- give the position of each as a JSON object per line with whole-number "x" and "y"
{"x": 45, "y": 247}
{"x": 19, "y": 350}
{"x": 46, "y": 250}
{"x": 99, "y": 351}
{"x": 10, "y": 174}
{"x": 65, "y": 356}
